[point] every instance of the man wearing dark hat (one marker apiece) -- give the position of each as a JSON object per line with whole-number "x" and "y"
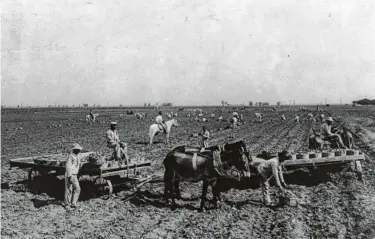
{"x": 160, "y": 121}
{"x": 267, "y": 169}
{"x": 327, "y": 134}
{"x": 113, "y": 142}
{"x": 72, "y": 188}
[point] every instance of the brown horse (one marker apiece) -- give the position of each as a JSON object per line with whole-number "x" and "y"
{"x": 236, "y": 145}
{"x": 205, "y": 166}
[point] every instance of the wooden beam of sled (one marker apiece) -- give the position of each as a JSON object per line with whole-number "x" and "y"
{"x": 338, "y": 159}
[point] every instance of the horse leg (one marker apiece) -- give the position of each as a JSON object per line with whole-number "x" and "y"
{"x": 167, "y": 185}
{"x": 151, "y": 137}
{"x": 177, "y": 189}
{"x": 204, "y": 194}
{"x": 167, "y": 138}
{"x": 215, "y": 192}
{"x": 174, "y": 204}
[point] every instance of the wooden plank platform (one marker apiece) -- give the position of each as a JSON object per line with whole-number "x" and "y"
{"x": 86, "y": 168}
{"x": 123, "y": 170}
{"x": 322, "y": 161}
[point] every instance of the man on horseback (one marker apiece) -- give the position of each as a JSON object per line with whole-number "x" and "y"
{"x": 160, "y": 121}
{"x": 114, "y": 143}
{"x": 327, "y": 135}
{"x": 92, "y": 115}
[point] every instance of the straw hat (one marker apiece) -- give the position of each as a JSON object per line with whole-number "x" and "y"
{"x": 113, "y": 123}
{"x": 329, "y": 119}
{"x": 76, "y": 146}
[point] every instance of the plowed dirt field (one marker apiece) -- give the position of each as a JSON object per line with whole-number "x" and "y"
{"x": 332, "y": 206}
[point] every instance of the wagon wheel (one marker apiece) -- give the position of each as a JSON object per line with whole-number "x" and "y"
{"x": 359, "y": 171}
{"x": 105, "y": 187}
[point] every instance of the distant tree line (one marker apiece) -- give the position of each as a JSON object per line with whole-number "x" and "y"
{"x": 167, "y": 104}
{"x": 364, "y": 102}
{"x": 224, "y": 103}
{"x": 147, "y": 104}
{"x": 260, "y": 104}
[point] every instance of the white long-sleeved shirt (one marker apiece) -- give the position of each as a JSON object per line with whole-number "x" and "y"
{"x": 266, "y": 168}
{"x": 72, "y": 165}
{"x": 112, "y": 138}
{"x": 325, "y": 130}
{"x": 206, "y": 135}
{"x": 234, "y": 121}
{"x": 159, "y": 119}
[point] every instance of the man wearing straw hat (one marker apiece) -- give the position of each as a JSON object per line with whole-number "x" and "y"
{"x": 113, "y": 142}
{"x": 72, "y": 188}
{"x": 327, "y": 134}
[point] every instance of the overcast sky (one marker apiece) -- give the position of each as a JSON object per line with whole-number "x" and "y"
{"x": 186, "y": 52}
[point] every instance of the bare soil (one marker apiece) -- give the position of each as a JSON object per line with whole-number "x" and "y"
{"x": 330, "y": 206}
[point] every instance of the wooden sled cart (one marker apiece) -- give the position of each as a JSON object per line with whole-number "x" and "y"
{"x": 136, "y": 173}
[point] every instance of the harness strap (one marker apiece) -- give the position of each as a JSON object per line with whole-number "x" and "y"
{"x": 195, "y": 161}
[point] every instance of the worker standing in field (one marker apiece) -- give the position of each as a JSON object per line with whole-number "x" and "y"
{"x": 327, "y": 134}
{"x": 234, "y": 122}
{"x": 205, "y": 138}
{"x": 114, "y": 143}
{"x": 72, "y": 188}
{"x": 241, "y": 119}
{"x": 321, "y": 117}
{"x": 283, "y": 118}
{"x": 267, "y": 169}
{"x": 160, "y": 121}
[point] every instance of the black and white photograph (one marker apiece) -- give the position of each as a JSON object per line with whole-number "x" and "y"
{"x": 171, "y": 119}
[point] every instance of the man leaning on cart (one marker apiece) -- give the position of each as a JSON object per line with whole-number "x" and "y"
{"x": 72, "y": 188}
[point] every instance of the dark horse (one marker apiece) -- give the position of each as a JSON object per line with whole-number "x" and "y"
{"x": 189, "y": 164}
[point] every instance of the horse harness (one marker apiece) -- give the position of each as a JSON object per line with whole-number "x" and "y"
{"x": 216, "y": 158}
{"x": 216, "y": 164}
